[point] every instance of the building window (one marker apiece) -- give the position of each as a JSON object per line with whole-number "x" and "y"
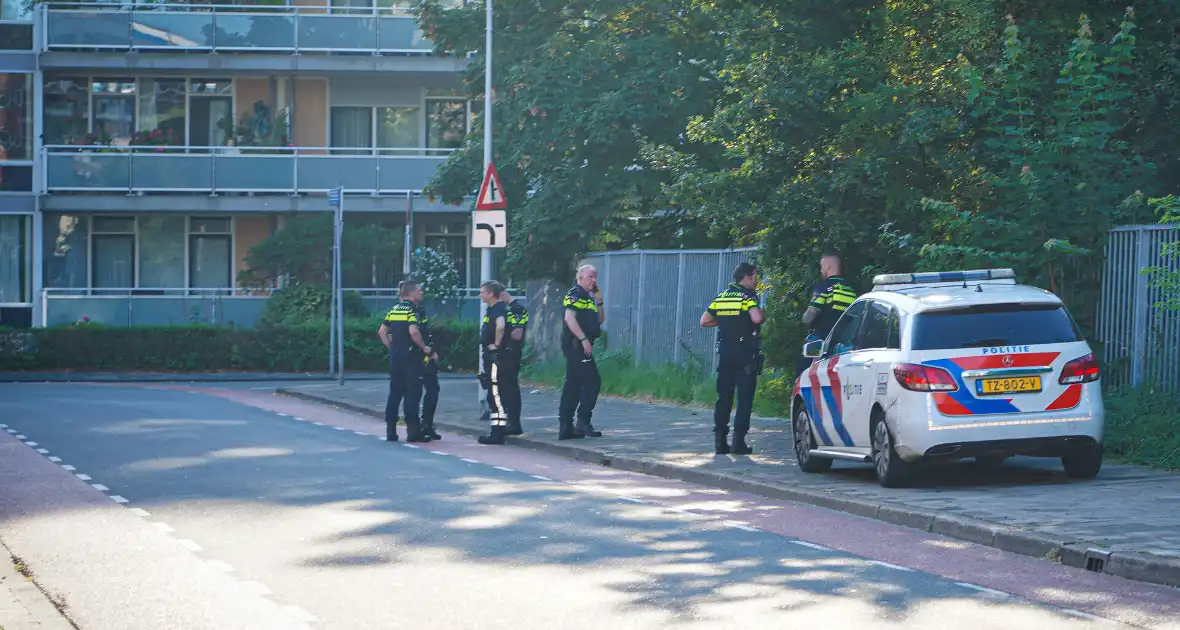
{"x": 210, "y": 253}
{"x": 65, "y": 237}
{"x": 161, "y": 252}
{"x": 449, "y": 237}
{"x": 113, "y": 103}
{"x": 446, "y": 123}
{"x": 161, "y": 114}
{"x": 380, "y": 130}
{"x": 15, "y": 278}
{"x": 16, "y": 120}
{"x": 67, "y": 111}
{"x": 112, "y": 253}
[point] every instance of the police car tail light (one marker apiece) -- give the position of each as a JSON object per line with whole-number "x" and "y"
{"x": 924, "y": 378}
{"x": 1080, "y": 370}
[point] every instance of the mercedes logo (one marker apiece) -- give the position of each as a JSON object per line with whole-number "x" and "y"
{"x": 1007, "y": 360}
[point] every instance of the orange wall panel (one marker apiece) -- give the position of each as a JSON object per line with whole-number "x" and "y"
{"x": 248, "y": 232}
{"x": 311, "y": 6}
{"x": 249, "y": 91}
{"x": 311, "y": 113}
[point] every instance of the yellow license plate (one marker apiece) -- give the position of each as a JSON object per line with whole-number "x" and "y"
{"x": 1013, "y": 385}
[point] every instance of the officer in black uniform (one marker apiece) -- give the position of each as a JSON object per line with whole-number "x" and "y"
{"x": 829, "y": 300}
{"x": 738, "y": 318}
{"x": 511, "y": 356}
{"x": 429, "y": 372}
{"x": 491, "y": 338}
{"x": 584, "y": 316}
{"x": 401, "y": 335}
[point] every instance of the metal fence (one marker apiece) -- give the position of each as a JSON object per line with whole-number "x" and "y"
{"x": 654, "y": 300}
{"x": 1141, "y": 338}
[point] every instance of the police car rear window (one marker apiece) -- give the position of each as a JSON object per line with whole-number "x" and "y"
{"x": 991, "y": 325}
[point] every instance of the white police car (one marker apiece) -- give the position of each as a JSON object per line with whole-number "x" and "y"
{"x": 941, "y": 366}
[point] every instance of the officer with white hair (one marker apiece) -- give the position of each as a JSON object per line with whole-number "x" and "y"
{"x": 584, "y": 316}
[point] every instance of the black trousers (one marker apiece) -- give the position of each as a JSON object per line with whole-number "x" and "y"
{"x": 495, "y": 397}
{"x": 405, "y": 388}
{"x": 429, "y": 393}
{"x": 736, "y": 373}
{"x": 579, "y": 394}
{"x": 510, "y": 385}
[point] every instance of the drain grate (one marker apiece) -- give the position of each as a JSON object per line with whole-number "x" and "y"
{"x": 1095, "y": 564}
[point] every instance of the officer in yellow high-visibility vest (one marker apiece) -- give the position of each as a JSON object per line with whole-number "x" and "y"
{"x": 829, "y": 300}
{"x": 738, "y": 319}
{"x": 401, "y": 335}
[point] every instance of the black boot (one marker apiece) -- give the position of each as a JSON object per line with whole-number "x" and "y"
{"x": 391, "y": 431}
{"x": 428, "y": 430}
{"x": 719, "y": 443}
{"x": 585, "y": 429}
{"x": 495, "y": 437}
{"x": 414, "y": 433}
{"x": 565, "y": 431}
{"x": 739, "y": 444}
{"x": 513, "y": 428}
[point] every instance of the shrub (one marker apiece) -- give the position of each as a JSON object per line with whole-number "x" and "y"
{"x": 298, "y": 303}
{"x": 298, "y": 348}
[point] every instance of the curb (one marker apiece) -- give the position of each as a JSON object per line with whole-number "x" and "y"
{"x": 228, "y": 377}
{"x": 1072, "y": 553}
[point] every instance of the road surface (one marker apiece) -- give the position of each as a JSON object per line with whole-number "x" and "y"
{"x": 226, "y": 507}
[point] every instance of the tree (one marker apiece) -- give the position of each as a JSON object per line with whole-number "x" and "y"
{"x": 302, "y": 251}
{"x": 583, "y": 88}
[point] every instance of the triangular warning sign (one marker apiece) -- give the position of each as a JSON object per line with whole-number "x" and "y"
{"x": 491, "y": 194}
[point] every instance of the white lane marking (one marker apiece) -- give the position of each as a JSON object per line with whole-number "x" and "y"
{"x": 982, "y": 589}
{"x": 42, "y": 451}
{"x": 255, "y": 389}
{"x": 32, "y": 443}
{"x": 68, "y": 467}
{"x": 13, "y": 431}
{"x": 410, "y": 446}
{"x": 891, "y": 566}
{"x": 360, "y": 433}
{"x": 299, "y": 419}
{"x": 56, "y": 460}
{"x": 318, "y": 424}
{"x": 82, "y": 477}
{"x": 118, "y": 499}
{"x": 3, "y": 426}
{"x": 258, "y": 588}
{"x": 285, "y": 415}
{"x": 1081, "y": 615}
{"x": 634, "y": 500}
{"x": 803, "y": 543}
{"x": 99, "y": 487}
{"x": 340, "y": 428}
{"x": 163, "y": 527}
{"x": 469, "y": 461}
{"x": 188, "y": 544}
{"x": 742, "y": 526}
{"x": 221, "y": 566}
{"x": 440, "y": 452}
{"x": 140, "y": 512}
{"x": 541, "y": 477}
{"x": 22, "y": 437}
{"x": 300, "y": 614}
{"x": 503, "y": 468}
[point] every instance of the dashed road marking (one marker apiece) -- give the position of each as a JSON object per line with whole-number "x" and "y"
{"x": 3, "y": 426}
{"x": 505, "y": 469}
{"x": 42, "y": 451}
{"x": 31, "y": 443}
{"x": 411, "y": 446}
{"x": 803, "y": 543}
{"x": 68, "y": 467}
{"x": 633, "y": 500}
{"x": 1080, "y": 615}
{"x": 224, "y": 567}
{"x": 300, "y": 614}
{"x": 891, "y": 566}
{"x": 118, "y": 499}
{"x": 742, "y": 526}
{"x": 140, "y": 512}
{"x": 99, "y": 487}
{"x": 188, "y": 544}
{"x": 285, "y": 415}
{"x": 299, "y": 419}
{"x": 541, "y": 477}
{"x": 82, "y": 477}
{"x": 360, "y": 433}
{"x": 318, "y": 424}
{"x": 163, "y": 527}
{"x": 982, "y": 589}
{"x": 340, "y": 428}
{"x": 12, "y": 431}
{"x": 22, "y": 437}
{"x": 440, "y": 452}
{"x": 469, "y": 461}
{"x": 56, "y": 460}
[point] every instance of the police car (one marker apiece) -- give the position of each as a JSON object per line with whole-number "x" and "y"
{"x": 941, "y": 366}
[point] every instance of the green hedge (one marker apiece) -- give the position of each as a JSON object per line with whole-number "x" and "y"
{"x": 202, "y": 348}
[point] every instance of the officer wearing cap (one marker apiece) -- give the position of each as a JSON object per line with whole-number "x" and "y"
{"x": 401, "y": 335}
{"x": 429, "y": 379}
{"x": 829, "y": 300}
{"x": 738, "y": 319}
{"x": 583, "y": 321}
{"x": 511, "y": 356}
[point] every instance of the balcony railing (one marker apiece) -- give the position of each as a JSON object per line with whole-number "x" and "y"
{"x": 290, "y": 170}
{"x": 226, "y": 28}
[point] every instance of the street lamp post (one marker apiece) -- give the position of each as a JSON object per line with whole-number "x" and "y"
{"x": 485, "y": 254}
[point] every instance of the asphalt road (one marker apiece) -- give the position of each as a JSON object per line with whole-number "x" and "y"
{"x": 174, "y": 507}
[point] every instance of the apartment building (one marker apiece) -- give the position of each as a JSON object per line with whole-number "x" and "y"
{"x": 145, "y": 148}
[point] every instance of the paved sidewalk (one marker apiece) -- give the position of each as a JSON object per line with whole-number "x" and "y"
{"x": 1126, "y": 522}
{"x": 22, "y": 605}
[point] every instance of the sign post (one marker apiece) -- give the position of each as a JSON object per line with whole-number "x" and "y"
{"x": 485, "y": 258}
{"x": 336, "y": 199}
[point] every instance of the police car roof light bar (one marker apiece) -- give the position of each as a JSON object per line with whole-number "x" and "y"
{"x": 944, "y": 276}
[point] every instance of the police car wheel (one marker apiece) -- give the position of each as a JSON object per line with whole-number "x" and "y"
{"x": 804, "y": 442}
{"x": 891, "y": 470}
{"x": 1083, "y": 463}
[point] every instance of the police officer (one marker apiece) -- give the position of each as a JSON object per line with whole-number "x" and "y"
{"x": 738, "y": 319}
{"x": 511, "y": 356}
{"x": 829, "y": 300}
{"x": 401, "y": 335}
{"x": 429, "y": 370}
{"x": 584, "y": 316}
{"x": 491, "y": 338}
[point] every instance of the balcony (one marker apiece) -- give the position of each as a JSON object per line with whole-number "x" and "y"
{"x": 212, "y": 170}
{"x": 179, "y": 28}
